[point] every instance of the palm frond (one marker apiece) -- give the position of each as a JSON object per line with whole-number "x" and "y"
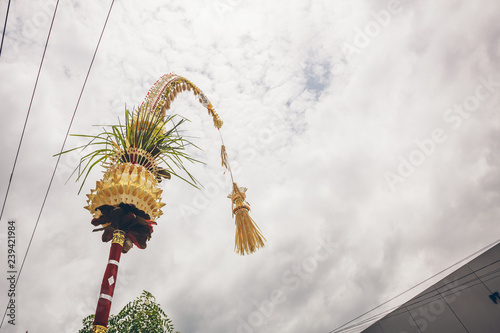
{"x": 145, "y": 130}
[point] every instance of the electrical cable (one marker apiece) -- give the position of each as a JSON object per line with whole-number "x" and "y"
{"x": 491, "y": 292}
{"x": 449, "y": 307}
{"x": 59, "y": 156}
{"x": 29, "y": 108}
{"x": 430, "y": 299}
{"x": 370, "y": 320}
{"x": 4, "y": 27}
{"x": 453, "y": 290}
{"x": 455, "y": 287}
{"x": 338, "y": 329}
{"x": 455, "y": 281}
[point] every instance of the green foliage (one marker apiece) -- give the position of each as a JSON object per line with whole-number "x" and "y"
{"x": 149, "y": 131}
{"x": 143, "y": 315}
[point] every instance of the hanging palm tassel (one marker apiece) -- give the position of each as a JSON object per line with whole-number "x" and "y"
{"x": 248, "y": 237}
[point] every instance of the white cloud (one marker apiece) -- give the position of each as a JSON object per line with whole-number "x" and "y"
{"x": 311, "y": 127}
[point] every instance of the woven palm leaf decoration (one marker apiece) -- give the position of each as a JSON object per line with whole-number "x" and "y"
{"x": 141, "y": 153}
{"x": 160, "y": 97}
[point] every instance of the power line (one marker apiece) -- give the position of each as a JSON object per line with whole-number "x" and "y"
{"x": 62, "y": 149}
{"x": 369, "y": 321}
{"x": 338, "y": 329}
{"x": 419, "y": 298}
{"x": 451, "y": 290}
{"x": 29, "y": 108}
{"x": 4, "y": 27}
{"x": 430, "y": 299}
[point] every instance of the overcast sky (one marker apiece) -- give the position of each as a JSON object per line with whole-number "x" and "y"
{"x": 367, "y": 133}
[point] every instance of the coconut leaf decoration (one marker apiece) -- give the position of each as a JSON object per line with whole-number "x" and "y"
{"x": 142, "y": 152}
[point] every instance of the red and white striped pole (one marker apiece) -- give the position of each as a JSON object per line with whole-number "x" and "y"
{"x": 108, "y": 283}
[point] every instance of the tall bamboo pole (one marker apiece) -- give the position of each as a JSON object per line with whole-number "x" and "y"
{"x": 108, "y": 283}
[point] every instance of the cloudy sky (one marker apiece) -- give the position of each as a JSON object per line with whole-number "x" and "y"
{"x": 367, "y": 133}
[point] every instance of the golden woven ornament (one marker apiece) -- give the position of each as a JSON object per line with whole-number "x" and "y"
{"x": 127, "y": 183}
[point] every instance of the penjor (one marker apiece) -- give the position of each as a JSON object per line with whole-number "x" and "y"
{"x": 138, "y": 155}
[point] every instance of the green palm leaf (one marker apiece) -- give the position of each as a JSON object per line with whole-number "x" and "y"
{"x": 146, "y": 130}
